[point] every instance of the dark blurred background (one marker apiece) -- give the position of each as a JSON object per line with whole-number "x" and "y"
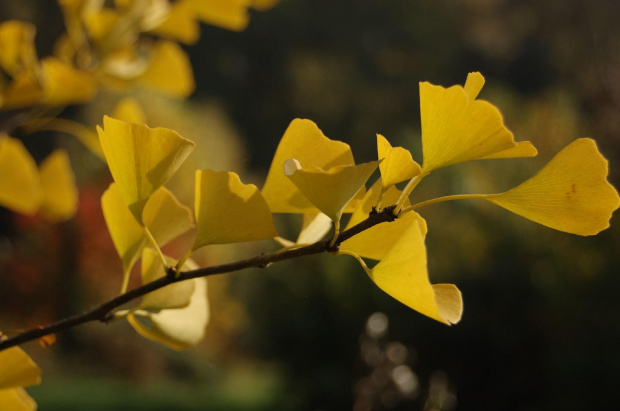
{"x": 540, "y": 328}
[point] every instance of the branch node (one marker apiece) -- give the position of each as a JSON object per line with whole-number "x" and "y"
{"x": 172, "y": 274}
{"x": 389, "y": 213}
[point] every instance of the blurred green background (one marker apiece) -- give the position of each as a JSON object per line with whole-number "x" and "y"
{"x": 540, "y": 328}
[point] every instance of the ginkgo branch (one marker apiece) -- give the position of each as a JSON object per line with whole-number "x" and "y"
{"x": 105, "y": 312}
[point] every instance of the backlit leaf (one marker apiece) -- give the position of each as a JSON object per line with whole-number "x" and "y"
{"x": 17, "y": 45}
{"x": 305, "y": 142}
{"x": 17, "y": 369}
{"x": 20, "y": 187}
{"x": 16, "y": 399}
{"x": 228, "y": 211}
{"x": 170, "y": 70}
{"x": 63, "y": 84}
{"x": 177, "y": 328}
{"x": 378, "y": 240}
{"x": 165, "y": 217}
{"x": 227, "y": 14}
{"x": 181, "y": 23}
{"x": 569, "y": 194}
{"x": 330, "y": 190}
{"x": 141, "y": 159}
{"x": 397, "y": 164}
{"x": 176, "y": 295}
{"x": 370, "y": 200}
{"x": 60, "y": 195}
{"x": 457, "y": 128}
{"x": 129, "y": 110}
{"x": 402, "y": 274}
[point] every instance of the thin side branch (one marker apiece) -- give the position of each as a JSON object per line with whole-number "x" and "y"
{"x": 104, "y": 312}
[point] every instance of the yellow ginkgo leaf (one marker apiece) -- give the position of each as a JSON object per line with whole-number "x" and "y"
{"x": 165, "y": 217}
{"x": 330, "y": 190}
{"x": 129, "y": 110}
{"x": 402, "y": 274}
{"x": 16, "y": 399}
{"x": 378, "y": 240}
{"x": 24, "y": 91}
{"x": 141, "y": 159}
{"x": 227, "y": 14}
{"x": 63, "y": 84}
{"x": 262, "y": 5}
{"x": 569, "y": 194}
{"x": 20, "y": 187}
{"x": 523, "y": 149}
{"x": 228, "y": 211}
{"x": 176, "y": 328}
{"x": 17, "y": 45}
{"x": 176, "y": 295}
{"x": 397, "y": 164}
{"x": 170, "y": 70}
{"x": 180, "y": 24}
{"x": 17, "y": 369}
{"x": 99, "y": 23}
{"x": 60, "y": 195}
{"x": 303, "y": 141}
{"x": 473, "y": 85}
{"x": 456, "y": 128}
{"x": 370, "y": 200}
{"x": 313, "y": 228}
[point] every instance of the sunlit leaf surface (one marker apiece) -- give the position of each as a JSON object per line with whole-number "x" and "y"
{"x": 165, "y": 217}
{"x": 397, "y": 164}
{"x": 20, "y": 187}
{"x": 569, "y": 194}
{"x": 141, "y": 159}
{"x": 304, "y": 142}
{"x": 330, "y": 190}
{"x": 60, "y": 194}
{"x": 228, "y": 211}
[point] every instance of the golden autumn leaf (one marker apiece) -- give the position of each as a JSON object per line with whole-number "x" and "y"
{"x": 371, "y": 198}
{"x": 402, "y": 274}
{"x": 169, "y": 71}
{"x": 17, "y": 45}
{"x": 180, "y": 24}
{"x": 228, "y": 211}
{"x": 64, "y": 84}
{"x": 177, "y": 328}
{"x": 303, "y": 141}
{"x": 60, "y": 194}
{"x": 378, "y": 240}
{"x": 457, "y": 128}
{"x": 20, "y": 186}
{"x": 227, "y": 14}
{"x": 141, "y": 159}
{"x": 164, "y": 216}
{"x": 397, "y": 164}
{"x": 329, "y": 190}
{"x": 129, "y": 110}
{"x": 569, "y": 194}
{"x": 17, "y": 370}
{"x": 176, "y": 295}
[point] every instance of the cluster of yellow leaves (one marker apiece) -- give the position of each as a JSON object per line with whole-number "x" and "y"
{"x": 17, "y": 370}
{"x": 142, "y": 215}
{"x": 317, "y": 177}
{"x": 570, "y": 194}
{"x": 111, "y": 46}
{"x": 24, "y": 188}
{"x": 25, "y": 81}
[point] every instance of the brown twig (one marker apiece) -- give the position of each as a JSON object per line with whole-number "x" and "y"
{"x": 104, "y": 312}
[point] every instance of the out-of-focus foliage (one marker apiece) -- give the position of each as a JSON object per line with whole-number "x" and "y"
{"x": 536, "y": 332}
